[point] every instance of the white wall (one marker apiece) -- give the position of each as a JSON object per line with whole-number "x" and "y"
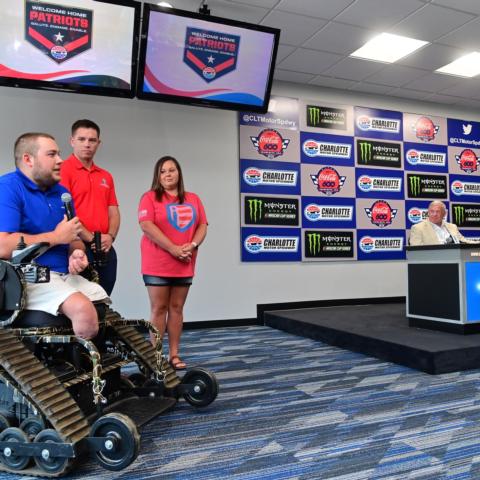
{"x": 136, "y": 133}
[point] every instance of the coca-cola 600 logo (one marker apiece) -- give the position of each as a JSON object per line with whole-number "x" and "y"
{"x": 328, "y": 180}
{"x": 270, "y": 143}
{"x": 381, "y": 214}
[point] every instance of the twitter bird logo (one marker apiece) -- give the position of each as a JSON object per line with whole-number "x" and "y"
{"x": 467, "y": 129}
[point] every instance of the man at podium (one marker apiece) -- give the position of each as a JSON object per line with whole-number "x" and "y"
{"x": 434, "y": 230}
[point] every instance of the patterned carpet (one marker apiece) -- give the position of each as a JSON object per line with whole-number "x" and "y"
{"x": 293, "y": 408}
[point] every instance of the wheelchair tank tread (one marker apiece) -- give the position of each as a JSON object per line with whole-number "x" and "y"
{"x": 143, "y": 348}
{"x": 43, "y": 389}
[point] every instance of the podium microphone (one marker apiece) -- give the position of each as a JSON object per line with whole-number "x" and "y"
{"x": 67, "y": 203}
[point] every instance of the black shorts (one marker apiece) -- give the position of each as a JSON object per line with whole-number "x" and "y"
{"x": 154, "y": 281}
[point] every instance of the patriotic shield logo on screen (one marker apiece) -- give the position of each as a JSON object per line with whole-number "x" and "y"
{"x": 181, "y": 216}
{"x": 210, "y": 54}
{"x": 59, "y": 32}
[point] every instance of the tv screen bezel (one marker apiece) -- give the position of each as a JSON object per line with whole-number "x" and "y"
{"x": 161, "y": 97}
{"x": 89, "y": 89}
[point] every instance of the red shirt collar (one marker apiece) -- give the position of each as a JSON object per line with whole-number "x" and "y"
{"x": 79, "y": 165}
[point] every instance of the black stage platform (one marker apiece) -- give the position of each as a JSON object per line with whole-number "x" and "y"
{"x": 381, "y": 331}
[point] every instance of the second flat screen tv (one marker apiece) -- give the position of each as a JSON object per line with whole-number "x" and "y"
{"x": 202, "y": 60}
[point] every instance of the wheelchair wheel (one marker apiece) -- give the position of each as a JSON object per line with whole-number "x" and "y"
{"x": 203, "y": 387}
{"x": 46, "y": 461}
{"x": 122, "y": 441}
{"x": 7, "y": 457}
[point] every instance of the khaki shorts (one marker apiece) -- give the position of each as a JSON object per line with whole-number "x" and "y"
{"x": 48, "y": 297}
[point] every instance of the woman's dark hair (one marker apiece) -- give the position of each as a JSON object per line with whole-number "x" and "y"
{"x": 156, "y": 185}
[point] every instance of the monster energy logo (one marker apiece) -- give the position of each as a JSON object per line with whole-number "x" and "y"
{"x": 459, "y": 214}
{"x": 255, "y": 209}
{"x": 314, "y": 240}
{"x": 365, "y": 151}
{"x": 313, "y": 116}
{"x": 415, "y": 185}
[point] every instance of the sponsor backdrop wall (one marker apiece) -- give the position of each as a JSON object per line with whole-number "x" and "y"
{"x": 135, "y": 134}
{"x": 328, "y": 181}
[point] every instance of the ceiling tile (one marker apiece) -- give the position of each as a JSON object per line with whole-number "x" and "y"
{"x": 354, "y": 69}
{"x": 331, "y": 82}
{"x": 431, "y": 22}
{"x": 469, "y": 6}
{"x": 235, "y": 11}
{"x": 295, "y": 28}
{"x": 283, "y": 52}
{"x": 295, "y": 77}
{"x": 371, "y": 88}
{"x": 315, "y": 8}
{"x": 257, "y": 3}
{"x": 431, "y": 57}
{"x": 465, "y": 87}
{"x": 467, "y": 38}
{"x": 406, "y": 93}
{"x": 445, "y": 99}
{"x": 309, "y": 61}
{"x": 339, "y": 38}
{"x": 432, "y": 82}
{"x": 396, "y": 75}
{"x": 378, "y": 14}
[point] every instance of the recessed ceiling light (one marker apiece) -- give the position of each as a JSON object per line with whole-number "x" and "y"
{"x": 387, "y": 47}
{"x": 164, "y": 4}
{"x": 467, "y": 66}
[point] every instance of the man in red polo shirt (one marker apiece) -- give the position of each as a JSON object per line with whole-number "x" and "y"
{"x": 94, "y": 198}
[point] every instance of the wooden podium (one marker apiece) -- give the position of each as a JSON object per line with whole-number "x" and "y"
{"x": 444, "y": 287}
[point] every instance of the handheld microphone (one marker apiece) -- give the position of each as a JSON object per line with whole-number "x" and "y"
{"x": 67, "y": 203}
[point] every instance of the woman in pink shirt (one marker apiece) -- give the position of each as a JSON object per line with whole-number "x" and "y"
{"x": 174, "y": 224}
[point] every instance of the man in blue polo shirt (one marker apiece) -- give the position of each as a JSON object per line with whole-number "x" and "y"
{"x": 31, "y": 207}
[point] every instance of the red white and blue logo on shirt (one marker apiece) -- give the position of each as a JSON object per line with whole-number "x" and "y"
{"x": 181, "y": 216}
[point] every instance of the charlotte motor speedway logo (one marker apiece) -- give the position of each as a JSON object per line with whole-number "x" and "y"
{"x": 460, "y": 188}
{"x": 422, "y": 157}
{"x": 376, "y": 124}
{"x": 416, "y": 214}
{"x": 314, "y": 148}
{"x": 275, "y": 244}
{"x": 367, "y": 183}
{"x": 369, "y": 244}
{"x": 283, "y": 178}
{"x": 315, "y": 212}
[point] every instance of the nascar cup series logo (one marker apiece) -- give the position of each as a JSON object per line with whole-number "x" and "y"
{"x": 467, "y": 161}
{"x": 425, "y": 129}
{"x": 369, "y": 244}
{"x": 416, "y": 215}
{"x": 366, "y": 183}
{"x": 256, "y": 244}
{"x": 210, "y": 54}
{"x": 270, "y": 143}
{"x": 59, "y": 32}
{"x": 381, "y": 214}
{"x": 375, "y": 124}
{"x": 328, "y": 180}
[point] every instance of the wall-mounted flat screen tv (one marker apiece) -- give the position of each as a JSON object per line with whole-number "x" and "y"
{"x": 84, "y": 46}
{"x": 204, "y": 60}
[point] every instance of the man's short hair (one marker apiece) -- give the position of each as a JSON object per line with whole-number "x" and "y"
{"x": 28, "y": 143}
{"x": 85, "y": 123}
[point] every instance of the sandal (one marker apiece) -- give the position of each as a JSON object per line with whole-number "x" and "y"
{"x": 177, "y": 363}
